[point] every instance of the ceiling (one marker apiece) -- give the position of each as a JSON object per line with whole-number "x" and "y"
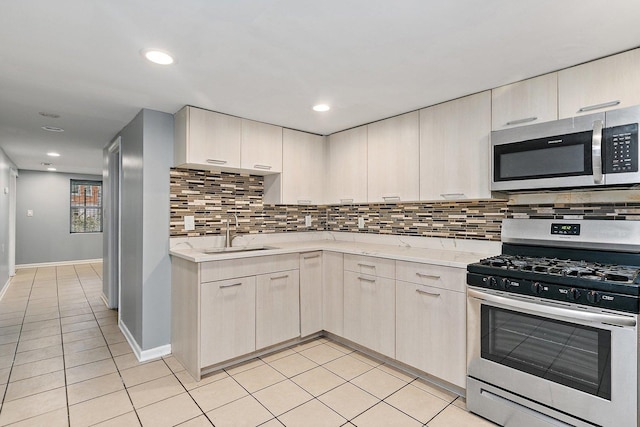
{"x": 272, "y": 60}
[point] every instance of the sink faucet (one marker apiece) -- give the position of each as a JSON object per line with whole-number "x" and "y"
{"x": 228, "y": 240}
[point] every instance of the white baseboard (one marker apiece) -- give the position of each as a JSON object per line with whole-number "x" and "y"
{"x": 143, "y": 355}
{"x": 58, "y": 263}
{"x": 4, "y": 288}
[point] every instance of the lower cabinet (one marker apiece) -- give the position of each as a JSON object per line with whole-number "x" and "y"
{"x": 310, "y": 293}
{"x": 228, "y": 319}
{"x": 333, "y": 292}
{"x": 431, "y": 327}
{"x": 369, "y": 312}
{"x": 277, "y": 307}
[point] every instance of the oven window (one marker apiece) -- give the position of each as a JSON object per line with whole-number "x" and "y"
{"x": 566, "y": 353}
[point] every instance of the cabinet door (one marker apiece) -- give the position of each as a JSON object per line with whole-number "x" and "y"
{"x": 213, "y": 139}
{"x": 454, "y": 149}
{"x": 303, "y": 171}
{"x": 347, "y": 166}
{"x": 261, "y": 147}
{"x": 310, "y": 293}
{"x": 393, "y": 160}
{"x": 228, "y": 310}
{"x": 333, "y": 292}
{"x": 369, "y": 312}
{"x": 612, "y": 82}
{"x": 529, "y": 101}
{"x": 277, "y": 308}
{"x": 430, "y": 330}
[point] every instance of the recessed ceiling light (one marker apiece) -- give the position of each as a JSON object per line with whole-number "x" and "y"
{"x": 53, "y": 154}
{"x": 321, "y": 107}
{"x": 52, "y": 169}
{"x": 158, "y": 56}
{"x": 52, "y": 129}
{"x": 49, "y": 115}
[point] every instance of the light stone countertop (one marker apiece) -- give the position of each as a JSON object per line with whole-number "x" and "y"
{"x": 445, "y": 252}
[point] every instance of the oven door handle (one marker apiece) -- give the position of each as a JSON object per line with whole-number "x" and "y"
{"x": 557, "y": 312}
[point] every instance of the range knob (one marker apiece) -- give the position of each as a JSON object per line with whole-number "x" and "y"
{"x": 492, "y": 281}
{"x": 537, "y": 288}
{"x": 593, "y": 297}
{"x": 505, "y": 283}
{"x": 573, "y": 294}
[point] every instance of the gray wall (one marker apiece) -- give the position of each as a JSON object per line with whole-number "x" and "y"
{"x": 5, "y": 166}
{"x": 45, "y": 237}
{"x": 145, "y": 290}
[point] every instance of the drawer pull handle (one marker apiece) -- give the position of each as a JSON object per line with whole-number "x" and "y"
{"x": 279, "y": 277}
{"x": 230, "y": 285}
{"x": 364, "y": 279}
{"x": 366, "y": 265}
{"x": 428, "y": 276}
{"x": 599, "y": 106}
{"x": 520, "y": 121}
{"x": 263, "y": 167}
{"x": 304, "y": 201}
{"x": 216, "y": 162}
{"x": 433, "y": 294}
{"x": 311, "y": 256}
{"x": 391, "y": 198}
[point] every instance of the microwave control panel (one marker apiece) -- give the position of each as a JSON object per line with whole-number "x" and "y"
{"x": 621, "y": 149}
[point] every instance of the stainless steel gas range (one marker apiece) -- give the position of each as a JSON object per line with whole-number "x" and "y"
{"x": 552, "y": 325}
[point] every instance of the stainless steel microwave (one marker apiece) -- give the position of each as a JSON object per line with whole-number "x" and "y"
{"x": 593, "y": 150}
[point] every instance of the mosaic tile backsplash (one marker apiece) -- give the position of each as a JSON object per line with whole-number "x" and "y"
{"x": 213, "y": 198}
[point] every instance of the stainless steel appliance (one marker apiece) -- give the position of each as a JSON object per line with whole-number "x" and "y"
{"x": 552, "y": 325}
{"x": 586, "y": 151}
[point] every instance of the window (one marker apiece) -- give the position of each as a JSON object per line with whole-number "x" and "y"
{"x": 86, "y": 206}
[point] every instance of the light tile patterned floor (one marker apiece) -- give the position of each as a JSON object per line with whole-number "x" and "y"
{"x": 63, "y": 361}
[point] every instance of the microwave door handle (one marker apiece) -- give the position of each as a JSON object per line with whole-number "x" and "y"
{"x": 596, "y": 152}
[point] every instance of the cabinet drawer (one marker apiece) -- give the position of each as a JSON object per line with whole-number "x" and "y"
{"x": 380, "y": 267}
{"x": 432, "y": 275}
{"x": 242, "y": 267}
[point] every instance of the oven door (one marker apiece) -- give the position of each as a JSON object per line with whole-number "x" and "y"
{"x": 551, "y": 358}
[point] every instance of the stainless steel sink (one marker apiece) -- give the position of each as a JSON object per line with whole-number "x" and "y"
{"x": 211, "y": 251}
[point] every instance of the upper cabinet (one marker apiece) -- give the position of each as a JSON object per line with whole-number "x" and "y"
{"x": 529, "y": 101}
{"x": 612, "y": 82}
{"x": 261, "y": 147}
{"x": 393, "y": 164}
{"x": 347, "y": 166}
{"x": 203, "y": 138}
{"x": 303, "y": 168}
{"x": 454, "y": 149}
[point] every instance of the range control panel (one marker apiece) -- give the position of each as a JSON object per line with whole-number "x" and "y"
{"x": 621, "y": 149}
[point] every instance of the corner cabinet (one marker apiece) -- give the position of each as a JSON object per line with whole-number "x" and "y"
{"x": 311, "y": 278}
{"x": 604, "y": 84}
{"x": 347, "y": 166}
{"x": 205, "y": 139}
{"x": 303, "y": 170}
{"x": 393, "y": 161}
{"x": 333, "y": 292}
{"x": 454, "y": 149}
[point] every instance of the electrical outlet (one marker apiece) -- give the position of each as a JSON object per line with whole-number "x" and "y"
{"x": 360, "y": 223}
{"x": 307, "y": 220}
{"x": 189, "y": 223}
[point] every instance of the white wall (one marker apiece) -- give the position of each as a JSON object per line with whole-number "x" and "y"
{"x": 45, "y": 237}
{"x": 5, "y": 173}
